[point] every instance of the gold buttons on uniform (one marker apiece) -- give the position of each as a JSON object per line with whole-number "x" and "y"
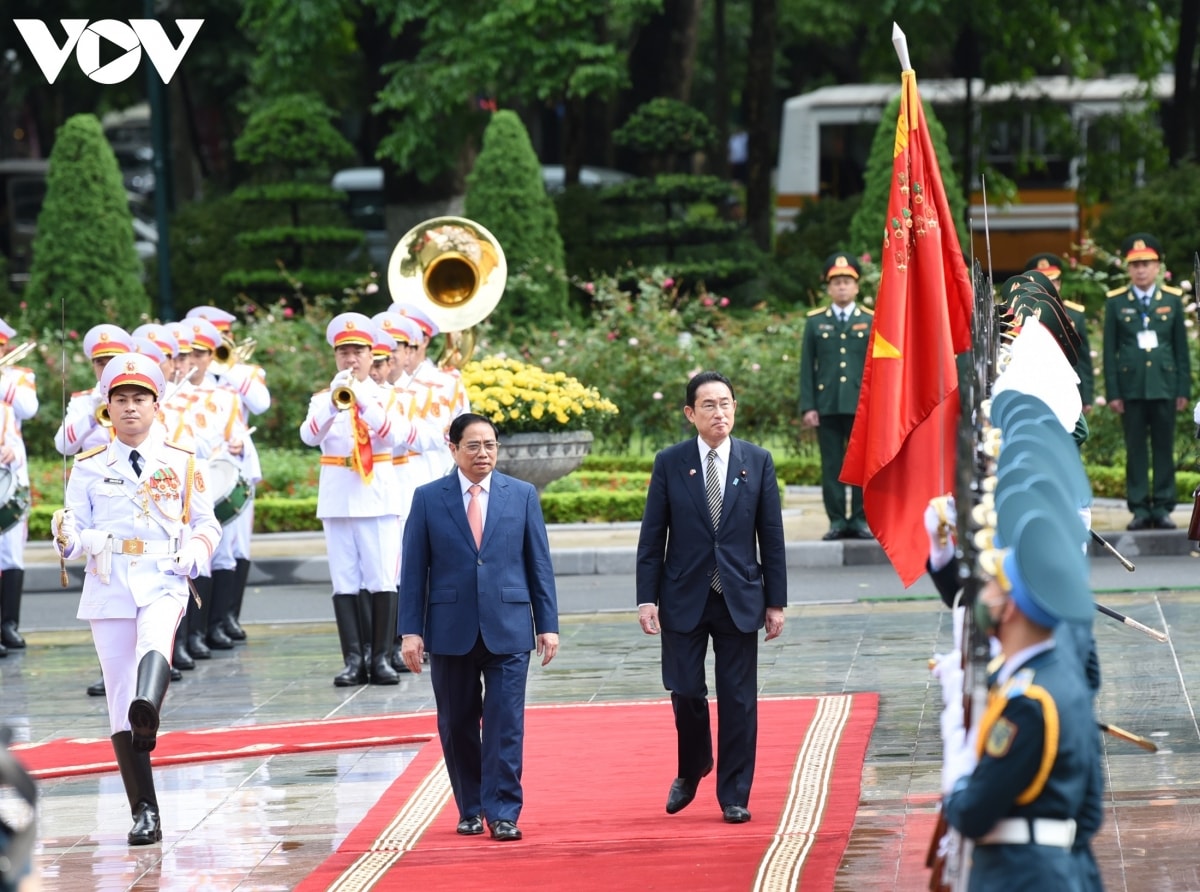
{"x": 842, "y": 365}
{"x": 842, "y": 350}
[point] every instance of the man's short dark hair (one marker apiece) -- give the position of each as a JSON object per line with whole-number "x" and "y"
{"x": 464, "y": 421}
{"x": 699, "y": 380}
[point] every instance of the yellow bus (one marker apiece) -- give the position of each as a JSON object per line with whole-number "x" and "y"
{"x": 1053, "y": 122}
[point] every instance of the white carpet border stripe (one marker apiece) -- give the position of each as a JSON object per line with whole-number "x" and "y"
{"x": 808, "y": 795}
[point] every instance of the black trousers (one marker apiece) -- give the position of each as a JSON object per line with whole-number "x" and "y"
{"x": 736, "y": 653}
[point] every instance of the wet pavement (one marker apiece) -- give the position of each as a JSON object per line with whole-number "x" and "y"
{"x": 264, "y": 823}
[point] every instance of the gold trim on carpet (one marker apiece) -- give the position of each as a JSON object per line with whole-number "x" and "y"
{"x": 400, "y": 835}
{"x": 807, "y": 796}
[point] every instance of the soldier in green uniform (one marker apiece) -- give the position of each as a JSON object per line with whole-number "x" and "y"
{"x": 1147, "y": 379}
{"x": 1050, "y": 265}
{"x": 831, "y": 370}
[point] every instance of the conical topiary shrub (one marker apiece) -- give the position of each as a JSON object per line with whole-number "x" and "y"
{"x": 85, "y": 267}
{"x": 505, "y": 193}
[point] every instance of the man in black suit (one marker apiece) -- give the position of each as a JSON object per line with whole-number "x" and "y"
{"x": 712, "y": 511}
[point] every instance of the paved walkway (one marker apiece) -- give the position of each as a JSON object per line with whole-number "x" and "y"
{"x": 264, "y": 823}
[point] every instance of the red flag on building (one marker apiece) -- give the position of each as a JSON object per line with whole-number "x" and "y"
{"x": 902, "y": 447}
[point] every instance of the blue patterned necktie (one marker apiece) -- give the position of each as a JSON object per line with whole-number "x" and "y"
{"x": 712, "y": 485}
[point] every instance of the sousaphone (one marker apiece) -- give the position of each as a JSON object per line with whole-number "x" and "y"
{"x": 454, "y": 270}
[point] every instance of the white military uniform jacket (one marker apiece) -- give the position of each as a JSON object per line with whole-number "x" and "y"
{"x": 342, "y": 492}
{"x": 249, "y": 382}
{"x": 80, "y": 431}
{"x": 106, "y": 496}
{"x": 18, "y": 388}
{"x": 11, "y": 436}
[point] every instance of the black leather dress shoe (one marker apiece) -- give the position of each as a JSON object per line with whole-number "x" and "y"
{"x": 1140, "y": 523}
{"x": 147, "y": 828}
{"x": 97, "y": 689}
{"x": 683, "y": 791}
{"x": 181, "y": 659}
{"x": 858, "y": 533}
{"x": 218, "y": 640}
{"x": 1164, "y": 522}
{"x": 505, "y": 831}
{"x": 832, "y": 535}
{"x": 176, "y": 675}
{"x": 197, "y": 648}
{"x": 735, "y": 814}
{"x": 471, "y": 826}
{"x": 233, "y": 628}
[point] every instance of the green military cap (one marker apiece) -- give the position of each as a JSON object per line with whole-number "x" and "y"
{"x": 841, "y": 264}
{"x": 1049, "y": 265}
{"x": 1033, "y": 301}
{"x": 1141, "y": 246}
{"x": 1043, "y": 281}
{"x": 1045, "y": 566}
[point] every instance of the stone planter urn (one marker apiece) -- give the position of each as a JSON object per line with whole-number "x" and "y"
{"x": 540, "y": 458}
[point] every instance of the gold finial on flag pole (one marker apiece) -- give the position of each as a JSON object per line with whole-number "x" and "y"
{"x": 900, "y": 42}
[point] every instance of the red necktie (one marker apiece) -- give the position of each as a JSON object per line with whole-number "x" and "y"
{"x": 475, "y": 514}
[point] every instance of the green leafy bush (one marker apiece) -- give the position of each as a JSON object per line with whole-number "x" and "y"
{"x": 85, "y": 268}
{"x": 1167, "y": 206}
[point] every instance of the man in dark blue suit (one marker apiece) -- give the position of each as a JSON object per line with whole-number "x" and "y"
{"x": 711, "y": 564}
{"x": 476, "y": 590}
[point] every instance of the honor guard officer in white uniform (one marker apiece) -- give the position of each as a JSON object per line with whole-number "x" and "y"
{"x": 249, "y": 382}
{"x": 440, "y": 393}
{"x": 216, "y": 422}
{"x": 356, "y": 425}
{"x": 176, "y": 410}
{"x": 140, "y": 511}
{"x": 81, "y": 429}
{"x": 18, "y": 389}
{"x": 12, "y": 459}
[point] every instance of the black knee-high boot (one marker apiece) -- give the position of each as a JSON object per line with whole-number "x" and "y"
{"x": 365, "y": 628}
{"x": 180, "y": 658}
{"x": 138, "y": 778}
{"x": 12, "y": 582}
{"x": 383, "y": 619}
{"x": 223, "y": 582}
{"x": 197, "y": 618}
{"x": 345, "y": 611}
{"x": 233, "y": 620}
{"x": 153, "y": 676}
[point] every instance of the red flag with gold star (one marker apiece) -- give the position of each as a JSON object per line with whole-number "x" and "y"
{"x": 902, "y": 446}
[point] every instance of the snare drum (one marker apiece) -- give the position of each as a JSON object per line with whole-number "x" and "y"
{"x": 14, "y": 500}
{"x": 231, "y": 492}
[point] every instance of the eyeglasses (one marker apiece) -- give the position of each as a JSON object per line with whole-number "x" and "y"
{"x": 709, "y": 407}
{"x": 475, "y": 447}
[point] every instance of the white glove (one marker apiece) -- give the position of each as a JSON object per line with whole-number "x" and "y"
{"x": 958, "y": 754}
{"x": 65, "y": 533}
{"x": 189, "y": 561}
{"x": 341, "y": 379}
{"x": 948, "y": 671}
{"x": 1196, "y": 414}
{"x": 940, "y": 553}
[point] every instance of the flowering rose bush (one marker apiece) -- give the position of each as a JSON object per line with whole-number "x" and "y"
{"x": 522, "y": 398}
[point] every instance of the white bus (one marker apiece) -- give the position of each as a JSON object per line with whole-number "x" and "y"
{"x": 826, "y": 137}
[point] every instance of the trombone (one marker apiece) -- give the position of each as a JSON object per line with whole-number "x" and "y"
{"x": 17, "y": 354}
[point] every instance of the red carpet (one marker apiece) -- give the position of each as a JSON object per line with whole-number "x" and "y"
{"x": 89, "y": 755}
{"x": 596, "y": 779}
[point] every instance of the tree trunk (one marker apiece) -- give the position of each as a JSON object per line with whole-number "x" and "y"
{"x": 1184, "y": 129}
{"x": 718, "y": 162}
{"x": 760, "y": 119}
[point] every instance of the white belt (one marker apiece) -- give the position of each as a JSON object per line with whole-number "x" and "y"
{"x": 145, "y": 546}
{"x": 1026, "y": 831}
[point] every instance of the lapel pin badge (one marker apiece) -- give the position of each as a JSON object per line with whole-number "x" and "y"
{"x": 692, "y": 472}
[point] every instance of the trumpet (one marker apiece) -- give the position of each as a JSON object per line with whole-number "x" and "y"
{"x": 102, "y": 416}
{"x": 229, "y": 353}
{"x": 343, "y": 398}
{"x": 16, "y": 354}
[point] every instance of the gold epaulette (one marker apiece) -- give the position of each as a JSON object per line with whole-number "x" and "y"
{"x": 1171, "y": 289}
{"x": 1116, "y": 291}
{"x": 90, "y": 452}
{"x": 175, "y": 444}
{"x": 1071, "y": 305}
{"x": 817, "y": 312}
{"x": 868, "y": 311}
